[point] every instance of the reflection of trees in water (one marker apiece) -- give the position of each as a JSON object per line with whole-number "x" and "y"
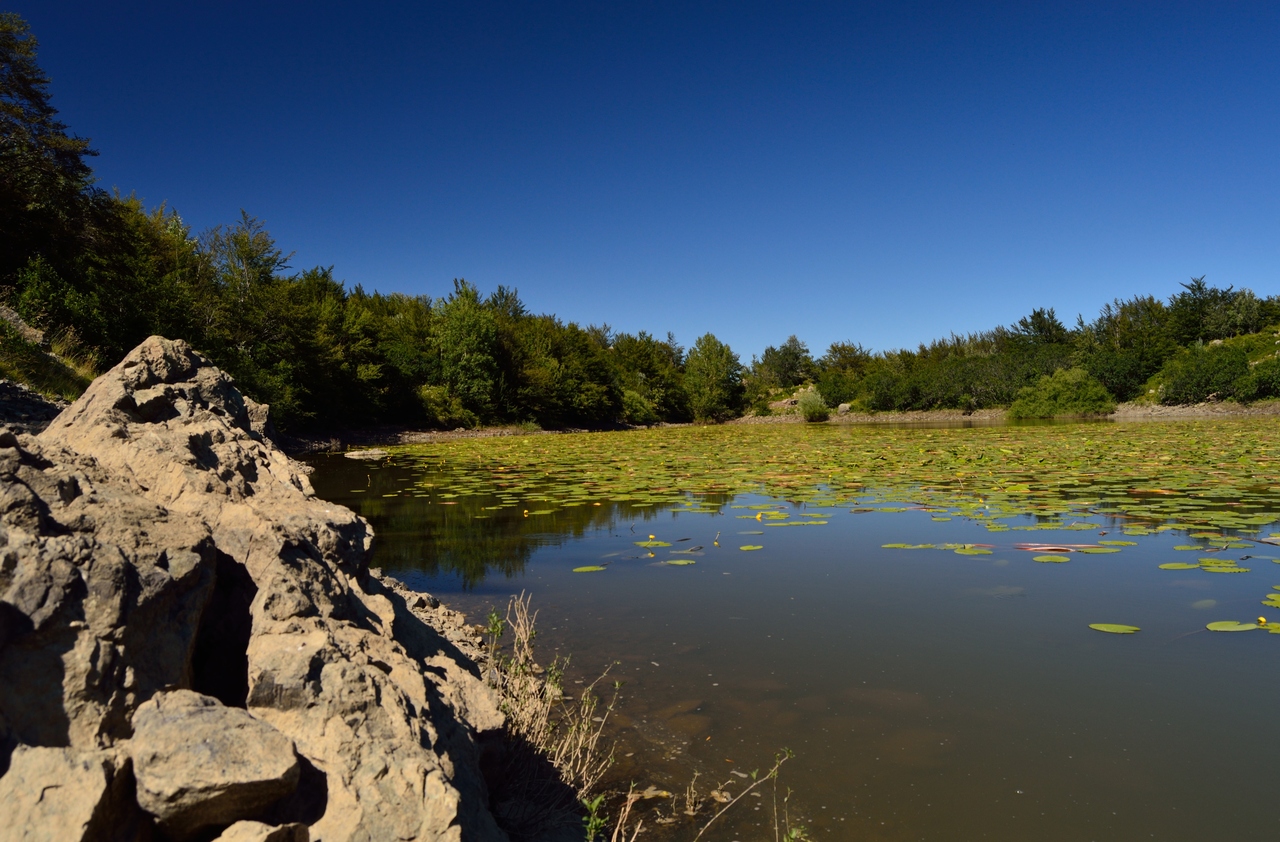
{"x": 464, "y": 538}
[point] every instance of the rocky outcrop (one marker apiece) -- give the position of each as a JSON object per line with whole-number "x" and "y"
{"x": 191, "y": 643}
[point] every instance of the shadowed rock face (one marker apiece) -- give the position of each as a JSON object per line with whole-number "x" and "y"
{"x": 152, "y": 543}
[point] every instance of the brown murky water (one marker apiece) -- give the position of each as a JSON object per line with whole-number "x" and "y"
{"x": 926, "y": 695}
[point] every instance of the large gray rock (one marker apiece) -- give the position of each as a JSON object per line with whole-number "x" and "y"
{"x": 61, "y": 795}
{"x": 199, "y": 763}
{"x": 383, "y": 709}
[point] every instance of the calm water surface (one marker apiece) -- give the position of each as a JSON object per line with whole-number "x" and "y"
{"x": 927, "y": 695}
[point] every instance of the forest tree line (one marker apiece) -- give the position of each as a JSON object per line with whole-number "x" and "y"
{"x": 98, "y": 272}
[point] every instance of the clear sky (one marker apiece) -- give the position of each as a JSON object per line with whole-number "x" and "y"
{"x": 883, "y": 173}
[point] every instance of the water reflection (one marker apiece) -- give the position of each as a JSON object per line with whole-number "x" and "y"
{"x": 928, "y": 694}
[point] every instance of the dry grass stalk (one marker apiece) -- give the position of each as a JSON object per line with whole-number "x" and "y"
{"x": 567, "y": 731}
{"x": 622, "y": 833}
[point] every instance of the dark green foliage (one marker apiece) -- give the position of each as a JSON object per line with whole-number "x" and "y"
{"x": 784, "y": 367}
{"x": 46, "y": 200}
{"x": 1203, "y": 372}
{"x": 651, "y": 369}
{"x": 967, "y": 372}
{"x": 1066, "y": 392}
{"x": 1126, "y": 344}
{"x": 713, "y": 379}
{"x": 1262, "y": 381}
{"x": 1201, "y": 313}
{"x": 840, "y": 372}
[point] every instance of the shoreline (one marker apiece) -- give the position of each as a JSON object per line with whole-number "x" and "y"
{"x": 23, "y": 410}
{"x": 334, "y": 442}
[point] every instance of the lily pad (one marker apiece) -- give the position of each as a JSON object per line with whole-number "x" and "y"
{"x": 1119, "y": 543}
{"x": 1051, "y": 559}
{"x": 1099, "y": 550}
{"x": 1231, "y": 626}
{"x": 590, "y": 568}
{"x": 679, "y": 562}
{"x": 1179, "y": 565}
{"x": 749, "y": 547}
{"x": 1114, "y": 628}
{"x": 971, "y": 551}
{"x": 653, "y": 543}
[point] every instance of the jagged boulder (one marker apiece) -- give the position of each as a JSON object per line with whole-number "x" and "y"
{"x": 152, "y": 540}
{"x": 199, "y": 763}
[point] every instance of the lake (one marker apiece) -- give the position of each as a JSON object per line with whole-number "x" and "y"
{"x": 952, "y": 691}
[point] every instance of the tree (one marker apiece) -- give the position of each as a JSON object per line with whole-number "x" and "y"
{"x": 467, "y": 339}
{"x": 45, "y": 184}
{"x": 1042, "y": 327}
{"x": 786, "y": 366}
{"x": 713, "y": 380}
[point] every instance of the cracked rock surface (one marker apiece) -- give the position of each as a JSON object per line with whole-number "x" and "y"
{"x": 192, "y": 644}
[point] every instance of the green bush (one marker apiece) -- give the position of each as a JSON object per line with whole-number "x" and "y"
{"x": 1200, "y": 372}
{"x": 1262, "y": 381}
{"x": 813, "y": 407}
{"x": 636, "y": 410}
{"x": 443, "y": 409}
{"x": 1068, "y": 391}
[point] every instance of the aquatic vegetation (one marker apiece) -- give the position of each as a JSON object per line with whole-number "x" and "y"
{"x": 1114, "y": 628}
{"x": 1212, "y": 481}
{"x": 1193, "y": 476}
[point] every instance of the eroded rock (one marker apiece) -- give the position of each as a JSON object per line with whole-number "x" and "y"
{"x": 199, "y": 763}
{"x": 155, "y": 546}
{"x": 63, "y": 795}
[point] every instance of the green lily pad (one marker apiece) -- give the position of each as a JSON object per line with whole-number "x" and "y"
{"x": 1188, "y": 547}
{"x": 752, "y": 532}
{"x": 1114, "y": 628}
{"x": 1098, "y": 550}
{"x": 679, "y": 562}
{"x": 1051, "y": 559}
{"x": 1179, "y": 565}
{"x": 653, "y": 543}
{"x": 590, "y": 568}
{"x": 1119, "y": 543}
{"x": 750, "y": 547}
{"x": 1231, "y": 626}
{"x": 972, "y": 551}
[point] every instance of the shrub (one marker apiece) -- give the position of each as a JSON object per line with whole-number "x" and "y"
{"x": 1262, "y": 381}
{"x": 443, "y": 409}
{"x": 813, "y": 407}
{"x": 1200, "y": 372}
{"x": 1068, "y": 391}
{"x": 636, "y": 410}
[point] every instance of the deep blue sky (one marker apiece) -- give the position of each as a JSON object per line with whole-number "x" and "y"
{"x": 881, "y": 172}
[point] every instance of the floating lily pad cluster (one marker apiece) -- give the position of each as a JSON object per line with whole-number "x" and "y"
{"x": 1219, "y": 474}
{"x": 1216, "y": 481}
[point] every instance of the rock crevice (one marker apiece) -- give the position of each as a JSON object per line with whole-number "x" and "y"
{"x": 192, "y": 643}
